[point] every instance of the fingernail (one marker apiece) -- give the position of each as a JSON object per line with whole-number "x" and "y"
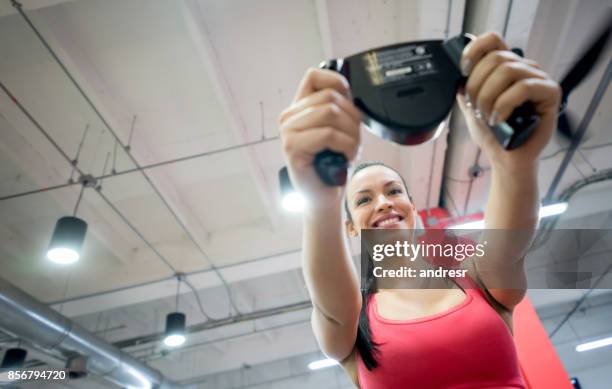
{"x": 466, "y": 67}
{"x": 493, "y": 119}
{"x": 468, "y": 101}
{"x": 478, "y": 114}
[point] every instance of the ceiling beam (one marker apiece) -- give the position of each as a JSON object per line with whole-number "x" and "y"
{"x": 167, "y": 287}
{"x": 117, "y": 113}
{"x": 201, "y": 39}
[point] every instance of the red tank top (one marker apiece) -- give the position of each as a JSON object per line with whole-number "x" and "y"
{"x": 466, "y": 347}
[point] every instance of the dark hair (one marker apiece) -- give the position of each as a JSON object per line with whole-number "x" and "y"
{"x": 365, "y": 345}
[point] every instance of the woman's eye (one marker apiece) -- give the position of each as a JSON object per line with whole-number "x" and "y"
{"x": 395, "y": 191}
{"x": 362, "y": 200}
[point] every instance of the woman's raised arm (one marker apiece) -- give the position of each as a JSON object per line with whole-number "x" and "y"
{"x": 323, "y": 116}
{"x": 499, "y": 81}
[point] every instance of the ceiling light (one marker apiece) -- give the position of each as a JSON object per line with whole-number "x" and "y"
{"x": 545, "y": 211}
{"x": 14, "y": 358}
{"x": 69, "y": 234}
{"x": 292, "y": 200}
{"x": 552, "y": 209}
{"x": 594, "y": 344}
{"x": 477, "y": 225}
{"x": 175, "y": 322}
{"x": 175, "y": 329}
{"x": 67, "y": 240}
{"x": 322, "y": 364}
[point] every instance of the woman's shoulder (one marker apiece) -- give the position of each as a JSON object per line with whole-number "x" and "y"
{"x": 478, "y": 288}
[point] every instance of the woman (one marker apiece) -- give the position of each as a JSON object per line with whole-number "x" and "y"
{"x": 419, "y": 338}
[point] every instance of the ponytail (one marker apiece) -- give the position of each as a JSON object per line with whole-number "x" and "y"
{"x": 365, "y": 345}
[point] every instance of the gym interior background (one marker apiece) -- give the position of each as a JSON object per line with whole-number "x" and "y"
{"x": 155, "y": 122}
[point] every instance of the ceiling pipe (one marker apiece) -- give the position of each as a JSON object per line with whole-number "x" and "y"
{"x": 212, "y": 324}
{"x": 29, "y": 319}
{"x": 582, "y": 128}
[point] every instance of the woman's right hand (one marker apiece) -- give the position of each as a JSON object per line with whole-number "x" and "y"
{"x": 321, "y": 116}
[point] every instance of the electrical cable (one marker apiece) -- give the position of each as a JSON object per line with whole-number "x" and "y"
{"x": 76, "y": 206}
{"x": 146, "y": 167}
{"x": 197, "y": 296}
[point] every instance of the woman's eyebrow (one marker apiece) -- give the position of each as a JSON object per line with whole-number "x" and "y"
{"x": 387, "y": 184}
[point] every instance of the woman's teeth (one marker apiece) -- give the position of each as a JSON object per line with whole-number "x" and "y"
{"x": 388, "y": 221}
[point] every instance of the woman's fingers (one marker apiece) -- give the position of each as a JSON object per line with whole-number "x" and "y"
{"x": 323, "y": 115}
{"x": 484, "y": 68}
{"x": 498, "y": 81}
{"x": 314, "y": 140}
{"x": 545, "y": 94}
{"x": 321, "y": 97}
{"x": 480, "y": 47}
{"x": 493, "y": 69}
{"x": 318, "y": 79}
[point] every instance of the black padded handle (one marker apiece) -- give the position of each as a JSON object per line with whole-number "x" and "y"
{"x": 331, "y": 166}
{"x": 518, "y": 127}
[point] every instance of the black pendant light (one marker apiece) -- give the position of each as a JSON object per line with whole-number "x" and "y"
{"x": 14, "y": 358}
{"x": 292, "y": 200}
{"x": 175, "y": 323}
{"x": 68, "y": 236}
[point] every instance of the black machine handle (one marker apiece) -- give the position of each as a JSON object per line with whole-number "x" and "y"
{"x": 332, "y": 166}
{"x": 520, "y": 125}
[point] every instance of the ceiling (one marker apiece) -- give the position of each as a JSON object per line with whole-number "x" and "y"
{"x": 176, "y": 108}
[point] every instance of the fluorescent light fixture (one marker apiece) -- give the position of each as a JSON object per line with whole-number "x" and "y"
{"x": 545, "y": 211}
{"x": 63, "y": 255}
{"x": 594, "y": 344}
{"x": 552, "y": 209}
{"x": 294, "y": 202}
{"x": 322, "y": 364}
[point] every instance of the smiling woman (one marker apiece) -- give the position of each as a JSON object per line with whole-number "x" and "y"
{"x": 374, "y": 333}
{"x": 394, "y": 183}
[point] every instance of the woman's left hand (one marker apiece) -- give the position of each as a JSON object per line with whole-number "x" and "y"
{"x": 500, "y": 81}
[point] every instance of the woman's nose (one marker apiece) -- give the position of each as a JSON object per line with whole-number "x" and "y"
{"x": 383, "y": 204}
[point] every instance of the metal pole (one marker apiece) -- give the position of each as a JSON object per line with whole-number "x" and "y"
{"x": 582, "y": 128}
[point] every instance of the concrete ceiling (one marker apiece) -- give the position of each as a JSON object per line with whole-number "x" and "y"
{"x": 180, "y": 79}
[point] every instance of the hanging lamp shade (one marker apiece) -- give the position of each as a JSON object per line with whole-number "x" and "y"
{"x": 67, "y": 240}
{"x": 175, "y": 329}
{"x": 292, "y": 200}
{"x": 14, "y": 358}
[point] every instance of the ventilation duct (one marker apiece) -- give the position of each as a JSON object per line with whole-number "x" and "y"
{"x": 29, "y": 319}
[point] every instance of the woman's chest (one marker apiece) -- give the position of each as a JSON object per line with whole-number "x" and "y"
{"x": 414, "y": 305}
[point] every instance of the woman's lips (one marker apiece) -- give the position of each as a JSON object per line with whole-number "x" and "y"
{"x": 389, "y": 222}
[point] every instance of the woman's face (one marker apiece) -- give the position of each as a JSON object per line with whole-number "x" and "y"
{"x": 377, "y": 199}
